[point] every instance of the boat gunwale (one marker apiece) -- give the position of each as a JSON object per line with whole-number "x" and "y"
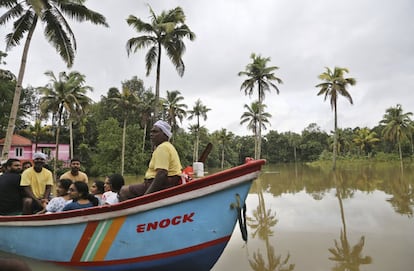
{"x": 144, "y": 203}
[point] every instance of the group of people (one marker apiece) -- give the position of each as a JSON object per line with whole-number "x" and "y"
{"x": 29, "y": 191}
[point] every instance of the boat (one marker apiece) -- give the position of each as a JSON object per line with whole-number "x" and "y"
{"x": 185, "y": 227}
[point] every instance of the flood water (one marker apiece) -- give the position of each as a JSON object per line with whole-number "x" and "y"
{"x": 311, "y": 219}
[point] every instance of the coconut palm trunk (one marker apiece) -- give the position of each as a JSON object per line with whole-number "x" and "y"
{"x": 335, "y": 146}
{"x": 123, "y": 146}
{"x": 71, "y": 137}
{"x": 57, "y": 143}
{"x": 196, "y": 147}
{"x": 259, "y": 130}
{"x": 157, "y": 84}
{"x": 222, "y": 157}
{"x": 17, "y": 93}
{"x": 401, "y": 158}
{"x": 143, "y": 138}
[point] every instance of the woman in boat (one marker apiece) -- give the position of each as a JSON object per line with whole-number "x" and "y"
{"x": 164, "y": 169}
{"x": 57, "y": 204}
{"x": 116, "y": 181}
{"x": 97, "y": 189}
{"x": 79, "y": 193}
{"x": 107, "y": 184}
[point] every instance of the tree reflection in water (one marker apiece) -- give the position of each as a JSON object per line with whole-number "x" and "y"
{"x": 346, "y": 258}
{"x": 402, "y": 198}
{"x": 261, "y": 223}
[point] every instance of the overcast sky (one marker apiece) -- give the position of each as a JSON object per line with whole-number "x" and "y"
{"x": 373, "y": 39}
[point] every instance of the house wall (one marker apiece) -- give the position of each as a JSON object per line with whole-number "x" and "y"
{"x": 26, "y": 152}
{"x": 21, "y": 152}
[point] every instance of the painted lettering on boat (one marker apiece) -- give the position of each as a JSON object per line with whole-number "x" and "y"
{"x": 166, "y": 222}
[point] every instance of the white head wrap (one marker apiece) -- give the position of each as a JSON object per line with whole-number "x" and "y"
{"x": 165, "y": 128}
{"x": 39, "y": 155}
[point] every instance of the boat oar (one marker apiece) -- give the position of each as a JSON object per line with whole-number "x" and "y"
{"x": 205, "y": 153}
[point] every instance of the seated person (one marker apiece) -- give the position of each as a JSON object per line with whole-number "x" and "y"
{"x": 57, "y": 203}
{"x": 37, "y": 182}
{"x": 107, "y": 185}
{"x": 79, "y": 193}
{"x": 97, "y": 189}
{"x": 116, "y": 181}
{"x": 164, "y": 169}
{"x": 11, "y": 193}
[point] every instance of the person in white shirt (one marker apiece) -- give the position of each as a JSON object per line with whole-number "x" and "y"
{"x": 57, "y": 203}
{"x": 116, "y": 181}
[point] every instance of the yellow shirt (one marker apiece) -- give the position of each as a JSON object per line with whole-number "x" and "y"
{"x": 37, "y": 180}
{"x": 80, "y": 177}
{"x": 165, "y": 156}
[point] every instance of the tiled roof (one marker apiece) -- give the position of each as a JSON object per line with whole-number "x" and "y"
{"x": 18, "y": 140}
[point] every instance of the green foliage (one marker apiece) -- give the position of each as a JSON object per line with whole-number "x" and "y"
{"x": 183, "y": 142}
{"x": 27, "y": 105}
{"x": 107, "y": 158}
{"x": 137, "y": 162}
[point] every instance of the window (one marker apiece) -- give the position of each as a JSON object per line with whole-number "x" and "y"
{"x": 19, "y": 152}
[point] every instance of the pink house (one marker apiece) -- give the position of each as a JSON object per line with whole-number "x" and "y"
{"x": 23, "y": 149}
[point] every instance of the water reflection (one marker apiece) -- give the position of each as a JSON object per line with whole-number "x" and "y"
{"x": 317, "y": 181}
{"x": 261, "y": 224}
{"x": 402, "y": 196}
{"x": 347, "y": 258}
{"x": 307, "y": 218}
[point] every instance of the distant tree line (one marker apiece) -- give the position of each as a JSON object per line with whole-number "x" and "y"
{"x": 112, "y": 135}
{"x": 120, "y": 122}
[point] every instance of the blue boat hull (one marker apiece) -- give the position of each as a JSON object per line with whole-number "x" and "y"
{"x": 182, "y": 228}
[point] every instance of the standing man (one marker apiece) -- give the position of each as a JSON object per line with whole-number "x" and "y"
{"x": 75, "y": 174}
{"x": 11, "y": 194}
{"x": 37, "y": 183}
{"x": 164, "y": 169}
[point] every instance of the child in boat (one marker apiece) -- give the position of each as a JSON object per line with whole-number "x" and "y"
{"x": 79, "y": 193}
{"x": 57, "y": 204}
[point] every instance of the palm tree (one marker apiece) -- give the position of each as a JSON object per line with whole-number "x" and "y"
{"x": 165, "y": 30}
{"x": 174, "y": 108}
{"x": 53, "y": 14}
{"x": 36, "y": 131}
{"x": 259, "y": 74}
{"x": 146, "y": 107}
{"x": 199, "y": 110}
{"x": 127, "y": 102}
{"x": 223, "y": 137}
{"x": 365, "y": 139}
{"x": 398, "y": 126}
{"x": 255, "y": 117}
{"x": 64, "y": 95}
{"x": 334, "y": 84}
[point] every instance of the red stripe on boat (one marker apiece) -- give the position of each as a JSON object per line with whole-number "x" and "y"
{"x": 83, "y": 242}
{"x": 149, "y": 257}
